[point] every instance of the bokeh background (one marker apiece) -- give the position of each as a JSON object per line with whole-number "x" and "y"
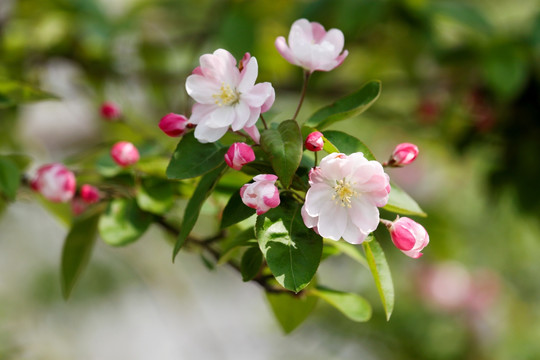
{"x": 460, "y": 78}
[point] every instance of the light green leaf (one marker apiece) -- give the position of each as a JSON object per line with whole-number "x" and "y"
{"x": 284, "y": 148}
{"x": 10, "y": 177}
{"x": 381, "y": 274}
{"x": 291, "y": 310}
{"x": 463, "y": 13}
{"x": 235, "y": 211}
{"x": 244, "y": 238}
{"x": 155, "y": 195}
{"x": 193, "y": 208}
{"x": 350, "y": 250}
{"x": 78, "y": 247}
{"x": 347, "y": 107}
{"x": 251, "y": 263}
{"x": 123, "y": 222}
{"x": 293, "y": 252}
{"x": 337, "y": 141}
{"x": 351, "y": 305}
{"x": 401, "y": 203}
{"x": 192, "y": 158}
{"x": 13, "y": 93}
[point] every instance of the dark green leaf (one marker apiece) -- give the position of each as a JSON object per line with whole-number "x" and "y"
{"x": 210, "y": 265}
{"x": 123, "y": 222}
{"x": 77, "y": 248}
{"x": 505, "y": 70}
{"x": 284, "y": 148}
{"x": 292, "y": 251}
{"x": 290, "y": 310}
{"x": 337, "y": 141}
{"x": 192, "y": 158}
{"x": 22, "y": 161}
{"x": 13, "y": 93}
{"x": 155, "y": 195}
{"x": 235, "y": 211}
{"x": 347, "y": 107}
{"x": 193, "y": 208}
{"x": 10, "y": 177}
{"x": 251, "y": 263}
{"x": 351, "y": 305}
{"x": 381, "y": 274}
{"x": 400, "y": 202}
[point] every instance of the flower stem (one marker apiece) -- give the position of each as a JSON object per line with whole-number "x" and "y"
{"x": 264, "y": 122}
{"x": 315, "y": 153}
{"x": 304, "y": 90}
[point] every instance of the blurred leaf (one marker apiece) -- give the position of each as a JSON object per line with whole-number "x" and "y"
{"x": 505, "y": 70}
{"x": 350, "y": 250}
{"x": 210, "y": 265}
{"x": 123, "y": 222}
{"x": 22, "y": 161}
{"x": 14, "y": 93}
{"x": 193, "y": 208}
{"x": 153, "y": 165}
{"x": 192, "y": 158}
{"x": 244, "y": 238}
{"x": 292, "y": 251}
{"x": 62, "y": 211}
{"x": 235, "y": 211}
{"x": 381, "y": 274}
{"x": 347, "y": 107}
{"x": 236, "y": 33}
{"x": 328, "y": 251}
{"x": 464, "y": 13}
{"x": 251, "y": 263}
{"x": 78, "y": 247}
{"x": 284, "y": 148}
{"x": 10, "y": 177}
{"x": 290, "y": 310}
{"x": 400, "y": 202}
{"x": 155, "y": 195}
{"x": 337, "y": 141}
{"x": 106, "y": 166}
{"x": 351, "y": 305}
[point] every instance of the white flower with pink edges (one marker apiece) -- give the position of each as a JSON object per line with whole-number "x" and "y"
{"x": 262, "y": 195}
{"x": 55, "y": 182}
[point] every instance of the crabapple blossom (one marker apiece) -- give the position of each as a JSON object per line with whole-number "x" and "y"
{"x": 404, "y": 154}
{"x": 314, "y": 141}
{"x": 312, "y": 47}
{"x": 174, "y": 125}
{"x": 409, "y": 236}
{"x": 226, "y": 97}
{"x": 344, "y": 195}
{"x": 55, "y": 182}
{"x": 238, "y": 155}
{"x": 124, "y": 153}
{"x": 110, "y": 111}
{"x": 89, "y": 194}
{"x": 261, "y": 195}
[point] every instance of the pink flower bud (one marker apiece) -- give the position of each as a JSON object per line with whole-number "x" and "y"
{"x": 314, "y": 141}
{"x": 409, "y": 236}
{"x": 55, "y": 182}
{"x": 404, "y": 154}
{"x": 89, "y": 194}
{"x": 238, "y": 155}
{"x": 124, "y": 153}
{"x": 262, "y": 194}
{"x": 173, "y": 125}
{"x": 110, "y": 111}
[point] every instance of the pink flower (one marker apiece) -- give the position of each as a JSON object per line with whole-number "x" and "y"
{"x": 238, "y": 155}
{"x": 124, "y": 153}
{"x": 55, "y": 182}
{"x": 226, "y": 96}
{"x": 409, "y": 236}
{"x": 262, "y": 194}
{"x": 311, "y": 47}
{"x": 314, "y": 141}
{"x": 110, "y": 111}
{"x": 173, "y": 125}
{"x": 404, "y": 154}
{"x": 344, "y": 195}
{"x": 89, "y": 194}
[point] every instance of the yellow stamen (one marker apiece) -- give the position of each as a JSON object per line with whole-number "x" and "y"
{"x": 343, "y": 193}
{"x": 226, "y": 96}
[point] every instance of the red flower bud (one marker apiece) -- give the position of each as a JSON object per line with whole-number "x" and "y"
{"x": 173, "y": 125}
{"x": 110, "y": 111}
{"x": 404, "y": 154}
{"x": 409, "y": 236}
{"x": 124, "y": 153}
{"x": 314, "y": 141}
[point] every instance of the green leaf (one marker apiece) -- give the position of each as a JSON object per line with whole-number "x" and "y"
{"x": 337, "y": 141}
{"x": 106, "y": 166}
{"x": 284, "y": 148}
{"x": 192, "y": 158}
{"x": 505, "y": 69}
{"x": 13, "y": 93}
{"x": 193, "y": 208}
{"x": 251, "y": 263}
{"x": 381, "y": 274}
{"x": 244, "y": 238}
{"x": 350, "y": 250}
{"x": 22, "y": 161}
{"x": 293, "y": 252}
{"x": 290, "y": 310}
{"x": 235, "y": 211}
{"x": 10, "y": 177}
{"x": 123, "y": 222}
{"x": 155, "y": 195}
{"x": 347, "y": 107}
{"x": 351, "y": 305}
{"x": 401, "y": 203}
{"x": 78, "y": 248}
{"x": 62, "y": 211}
{"x": 464, "y": 13}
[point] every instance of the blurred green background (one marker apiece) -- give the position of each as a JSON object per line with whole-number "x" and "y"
{"x": 461, "y": 79}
